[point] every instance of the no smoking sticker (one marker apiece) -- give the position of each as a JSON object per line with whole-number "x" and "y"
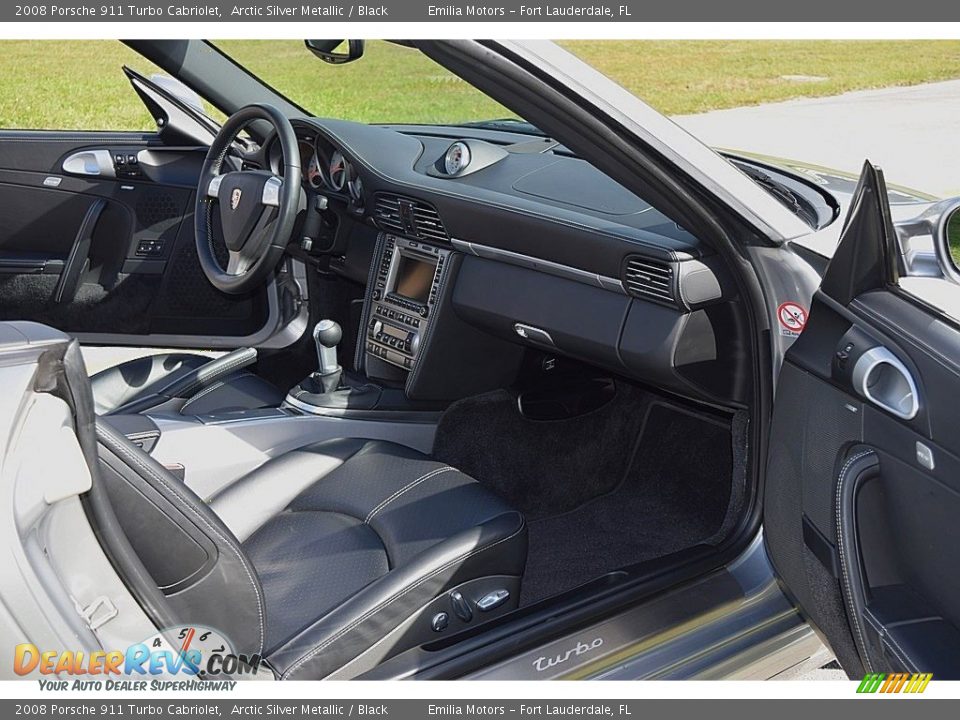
{"x": 792, "y": 318}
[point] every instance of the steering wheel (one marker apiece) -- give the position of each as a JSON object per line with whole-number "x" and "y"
{"x": 257, "y": 208}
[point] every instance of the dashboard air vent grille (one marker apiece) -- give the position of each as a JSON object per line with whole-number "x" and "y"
{"x": 386, "y": 212}
{"x": 413, "y": 218}
{"x": 650, "y": 279}
{"x": 427, "y": 224}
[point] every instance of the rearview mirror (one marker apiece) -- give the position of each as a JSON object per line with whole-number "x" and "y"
{"x": 336, "y": 52}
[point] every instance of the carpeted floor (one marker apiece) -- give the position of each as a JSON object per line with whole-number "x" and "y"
{"x": 541, "y": 468}
{"x": 636, "y": 480}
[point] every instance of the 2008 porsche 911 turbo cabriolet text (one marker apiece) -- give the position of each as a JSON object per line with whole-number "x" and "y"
{"x": 564, "y": 394}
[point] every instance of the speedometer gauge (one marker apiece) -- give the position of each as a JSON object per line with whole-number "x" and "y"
{"x": 338, "y": 171}
{"x": 457, "y": 158}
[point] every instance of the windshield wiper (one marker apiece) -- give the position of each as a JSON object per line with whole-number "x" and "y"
{"x": 781, "y": 192}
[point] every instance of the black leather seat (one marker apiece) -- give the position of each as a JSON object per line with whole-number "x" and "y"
{"x": 330, "y": 558}
{"x": 185, "y": 383}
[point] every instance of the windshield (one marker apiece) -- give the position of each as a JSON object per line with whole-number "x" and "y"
{"x": 389, "y": 84}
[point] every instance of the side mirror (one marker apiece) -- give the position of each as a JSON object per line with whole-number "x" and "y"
{"x": 951, "y": 240}
{"x": 336, "y": 52}
{"x": 946, "y": 240}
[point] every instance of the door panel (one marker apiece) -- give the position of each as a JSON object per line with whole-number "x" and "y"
{"x": 862, "y": 495}
{"x": 135, "y": 268}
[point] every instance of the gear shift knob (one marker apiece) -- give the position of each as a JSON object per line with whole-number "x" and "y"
{"x": 327, "y": 334}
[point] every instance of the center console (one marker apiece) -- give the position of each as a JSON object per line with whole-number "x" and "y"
{"x": 405, "y": 295}
{"x": 414, "y": 355}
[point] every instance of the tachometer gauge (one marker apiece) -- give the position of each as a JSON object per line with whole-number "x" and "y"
{"x": 338, "y": 171}
{"x": 457, "y": 158}
{"x": 314, "y": 173}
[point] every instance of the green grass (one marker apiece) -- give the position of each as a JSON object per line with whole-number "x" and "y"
{"x": 78, "y": 84}
{"x": 69, "y": 85}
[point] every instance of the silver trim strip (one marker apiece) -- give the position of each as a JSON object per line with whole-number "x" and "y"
{"x": 214, "y": 187}
{"x": 426, "y": 418}
{"x": 271, "y": 191}
{"x": 545, "y": 266}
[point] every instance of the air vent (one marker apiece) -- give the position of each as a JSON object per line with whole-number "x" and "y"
{"x": 427, "y": 224}
{"x": 650, "y": 279}
{"x": 413, "y": 218}
{"x": 386, "y": 213}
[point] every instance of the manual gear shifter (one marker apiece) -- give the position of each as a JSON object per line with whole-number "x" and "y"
{"x": 327, "y": 335}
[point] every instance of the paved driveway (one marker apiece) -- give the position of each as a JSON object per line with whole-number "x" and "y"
{"x": 913, "y": 133}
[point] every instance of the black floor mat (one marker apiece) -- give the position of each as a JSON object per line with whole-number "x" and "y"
{"x": 542, "y": 467}
{"x": 674, "y": 495}
{"x": 637, "y": 479}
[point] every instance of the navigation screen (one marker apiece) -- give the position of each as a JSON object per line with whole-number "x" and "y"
{"x": 414, "y": 278}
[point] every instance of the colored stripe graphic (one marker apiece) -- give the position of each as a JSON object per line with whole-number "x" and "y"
{"x": 894, "y": 683}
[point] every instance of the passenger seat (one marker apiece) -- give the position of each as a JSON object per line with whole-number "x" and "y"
{"x": 328, "y": 559}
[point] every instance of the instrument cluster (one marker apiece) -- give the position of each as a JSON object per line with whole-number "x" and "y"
{"x": 325, "y": 169}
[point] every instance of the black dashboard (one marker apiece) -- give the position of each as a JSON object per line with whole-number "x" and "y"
{"x": 542, "y": 250}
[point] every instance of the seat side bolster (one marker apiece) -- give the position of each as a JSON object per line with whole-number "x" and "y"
{"x": 245, "y": 505}
{"x": 228, "y": 594}
{"x": 497, "y": 547}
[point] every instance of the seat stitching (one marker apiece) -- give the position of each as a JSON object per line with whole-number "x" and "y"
{"x": 405, "y": 488}
{"x": 476, "y": 551}
{"x": 133, "y": 458}
{"x": 887, "y": 637}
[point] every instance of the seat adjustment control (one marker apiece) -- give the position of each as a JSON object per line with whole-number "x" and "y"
{"x": 492, "y": 600}
{"x": 440, "y": 622}
{"x": 461, "y": 608}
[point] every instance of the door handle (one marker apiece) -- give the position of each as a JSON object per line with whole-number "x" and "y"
{"x": 90, "y": 162}
{"x": 880, "y": 377}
